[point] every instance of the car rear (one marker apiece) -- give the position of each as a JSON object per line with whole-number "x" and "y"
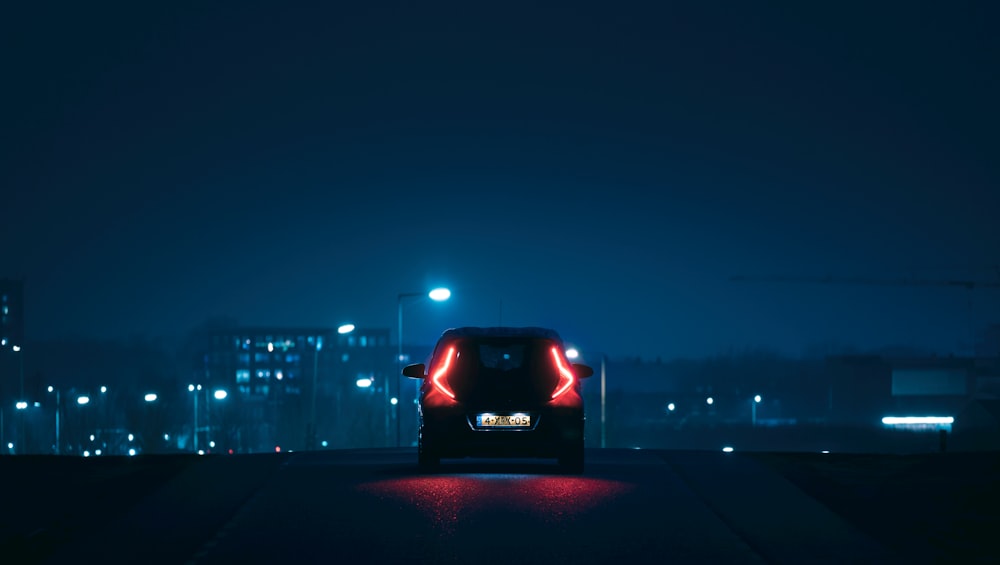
{"x": 497, "y": 394}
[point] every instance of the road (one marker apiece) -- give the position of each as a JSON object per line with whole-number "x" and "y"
{"x": 374, "y": 506}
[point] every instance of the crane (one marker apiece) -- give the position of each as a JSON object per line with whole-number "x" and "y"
{"x": 967, "y": 284}
{"x": 829, "y": 279}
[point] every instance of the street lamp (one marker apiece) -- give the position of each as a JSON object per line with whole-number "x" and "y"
{"x": 343, "y": 329}
{"x": 753, "y": 410}
{"x": 438, "y": 295}
{"x": 194, "y": 389}
{"x": 58, "y": 406}
{"x": 150, "y": 397}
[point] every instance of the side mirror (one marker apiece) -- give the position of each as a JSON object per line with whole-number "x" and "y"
{"x": 582, "y": 371}
{"x": 415, "y": 371}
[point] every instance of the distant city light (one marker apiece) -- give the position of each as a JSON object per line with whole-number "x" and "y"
{"x": 710, "y": 400}
{"x": 166, "y": 437}
{"x": 671, "y": 407}
{"x": 151, "y": 397}
{"x": 131, "y": 452}
{"x": 277, "y": 449}
{"x": 98, "y": 452}
{"x": 756, "y": 398}
{"x": 92, "y": 437}
{"x": 825, "y": 451}
{"x": 198, "y": 387}
{"x": 910, "y": 420}
{"x": 572, "y": 353}
{"x": 345, "y": 329}
{"x": 440, "y": 294}
{"x": 727, "y": 449}
{"x": 50, "y": 388}
{"x": 394, "y": 401}
{"x": 21, "y": 405}
{"x": 201, "y": 452}
{"x": 279, "y": 375}
{"x": 190, "y": 388}
{"x": 83, "y": 400}
{"x": 324, "y": 443}
{"x": 16, "y": 348}
{"x": 38, "y": 405}
{"x": 86, "y": 454}
{"x": 10, "y": 445}
{"x": 211, "y": 444}
{"x": 363, "y": 383}
{"x": 270, "y": 348}
{"x": 104, "y": 389}
{"x": 221, "y": 394}
{"x": 131, "y": 437}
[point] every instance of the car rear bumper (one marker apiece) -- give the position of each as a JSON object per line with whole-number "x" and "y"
{"x": 451, "y": 432}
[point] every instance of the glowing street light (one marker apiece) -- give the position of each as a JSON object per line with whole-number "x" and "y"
{"x": 671, "y": 406}
{"x": 572, "y": 353}
{"x": 710, "y": 401}
{"x": 151, "y": 397}
{"x": 83, "y": 400}
{"x": 22, "y": 405}
{"x": 753, "y": 410}
{"x": 345, "y": 329}
{"x": 220, "y": 394}
{"x": 439, "y": 294}
{"x": 363, "y": 383}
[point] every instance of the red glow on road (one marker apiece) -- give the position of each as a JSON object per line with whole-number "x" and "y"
{"x": 447, "y": 500}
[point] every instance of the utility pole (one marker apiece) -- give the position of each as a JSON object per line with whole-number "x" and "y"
{"x": 603, "y": 400}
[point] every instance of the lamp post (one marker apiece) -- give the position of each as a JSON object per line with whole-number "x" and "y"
{"x": 311, "y": 426}
{"x": 753, "y": 410}
{"x": 437, "y": 295}
{"x": 58, "y": 405}
{"x": 194, "y": 389}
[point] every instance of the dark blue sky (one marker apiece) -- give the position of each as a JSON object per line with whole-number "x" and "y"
{"x": 601, "y": 169}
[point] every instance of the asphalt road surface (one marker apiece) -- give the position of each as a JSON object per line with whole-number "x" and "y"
{"x": 374, "y": 506}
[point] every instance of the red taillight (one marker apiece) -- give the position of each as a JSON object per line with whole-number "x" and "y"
{"x": 565, "y": 374}
{"x": 439, "y": 376}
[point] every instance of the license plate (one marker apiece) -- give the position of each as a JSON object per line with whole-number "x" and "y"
{"x": 503, "y": 420}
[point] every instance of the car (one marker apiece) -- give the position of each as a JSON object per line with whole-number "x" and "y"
{"x": 500, "y": 392}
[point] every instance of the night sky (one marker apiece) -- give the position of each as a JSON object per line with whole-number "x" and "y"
{"x": 602, "y": 169}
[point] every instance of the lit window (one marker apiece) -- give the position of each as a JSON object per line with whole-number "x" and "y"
{"x": 5, "y": 309}
{"x": 364, "y": 341}
{"x": 350, "y": 341}
{"x": 344, "y": 358}
{"x": 242, "y": 376}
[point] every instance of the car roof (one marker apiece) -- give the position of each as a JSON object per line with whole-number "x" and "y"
{"x": 502, "y": 331}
